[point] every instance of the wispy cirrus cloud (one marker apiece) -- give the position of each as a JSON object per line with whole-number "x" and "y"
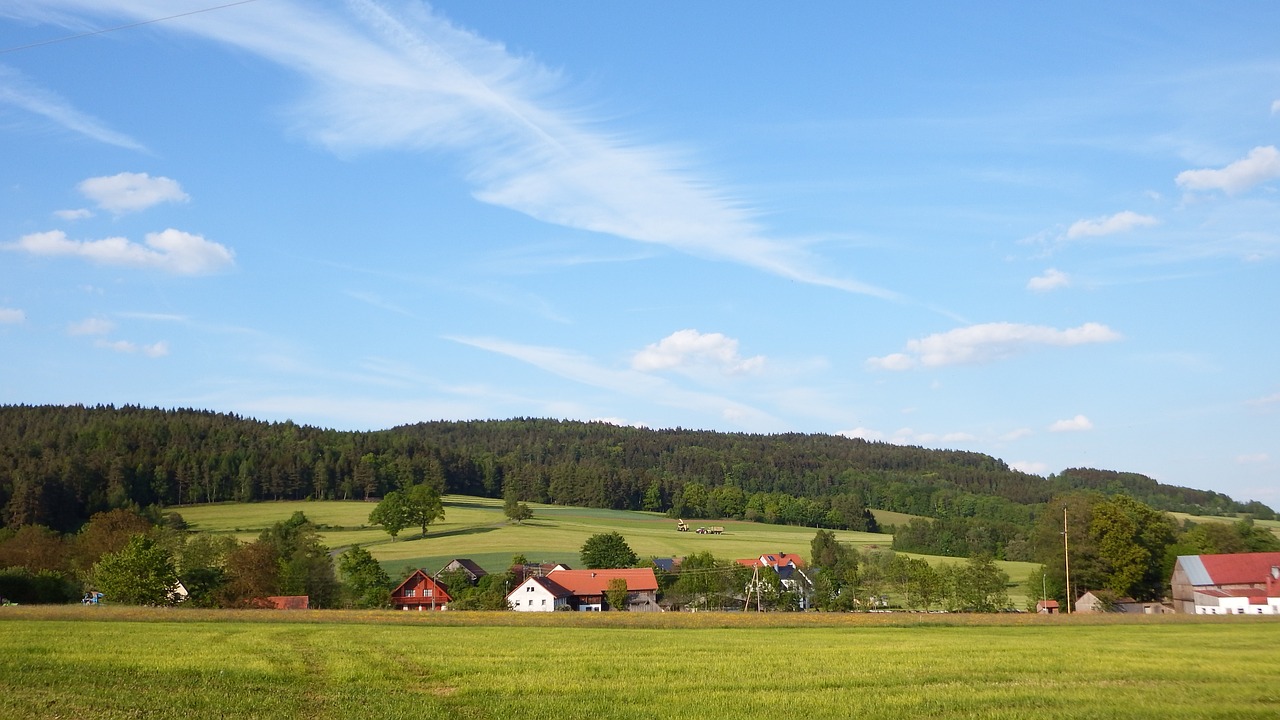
{"x": 154, "y": 350}
{"x": 580, "y": 368}
{"x": 130, "y": 192}
{"x": 91, "y": 326}
{"x": 1110, "y": 224}
{"x": 1260, "y": 165}
{"x": 172, "y": 251}
{"x": 405, "y": 77}
{"x": 18, "y": 91}
{"x": 988, "y": 342}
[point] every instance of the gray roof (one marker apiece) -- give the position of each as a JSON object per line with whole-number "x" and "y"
{"x": 1196, "y": 572}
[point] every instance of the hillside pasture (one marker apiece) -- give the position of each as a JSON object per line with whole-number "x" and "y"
{"x": 1181, "y": 517}
{"x": 322, "y": 665}
{"x": 476, "y": 528}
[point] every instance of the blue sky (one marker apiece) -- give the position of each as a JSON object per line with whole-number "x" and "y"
{"x": 1050, "y": 234}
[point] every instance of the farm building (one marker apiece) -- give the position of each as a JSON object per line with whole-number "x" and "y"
{"x": 420, "y": 591}
{"x": 539, "y": 594}
{"x": 528, "y": 570}
{"x": 584, "y": 590}
{"x": 1232, "y": 584}
{"x": 789, "y": 568}
{"x": 1047, "y": 607}
{"x": 472, "y": 570}
{"x": 1092, "y": 603}
{"x": 287, "y": 602}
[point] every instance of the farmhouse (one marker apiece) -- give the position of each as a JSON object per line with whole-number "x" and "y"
{"x": 420, "y": 591}
{"x": 584, "y": 590}
{"x": 472, "y": 570}
{"x": 1232, "y": 584}
{"x": 539, "y": 594}
{"x": 528, "y": 570}
{"x": 789, "y": 568}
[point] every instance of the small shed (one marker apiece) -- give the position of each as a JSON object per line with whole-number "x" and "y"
{"x": 1047, "y": 607}
{"x": 288, "y": 602}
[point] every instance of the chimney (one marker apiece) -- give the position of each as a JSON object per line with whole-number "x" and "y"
{"x": 1273, "y": 582}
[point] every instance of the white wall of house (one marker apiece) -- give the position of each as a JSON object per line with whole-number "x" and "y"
{"x": 529, "y": 596}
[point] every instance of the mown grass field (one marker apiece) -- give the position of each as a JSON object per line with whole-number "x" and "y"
{"x": 130, "y": 663}
{"x": 1272, "y": 525}
{"x": 476, "y": 528}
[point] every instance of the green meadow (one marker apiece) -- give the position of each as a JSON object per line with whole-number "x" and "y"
{"x": 476, "y": 528}
{"x": 131, "y": 663}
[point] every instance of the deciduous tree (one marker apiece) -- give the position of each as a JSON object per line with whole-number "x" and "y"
{"x": 607, "y": 550}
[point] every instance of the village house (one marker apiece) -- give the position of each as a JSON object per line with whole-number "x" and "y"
{"x": 790, "y": 570}
{"x": 1229, "y": 584}
{"x": 420, "y": 591}
{"x": 528, "y": 570}
{"x": 585, "y": 590}
{"x": 473, "y": 571}
{"x": 539, "y": 594}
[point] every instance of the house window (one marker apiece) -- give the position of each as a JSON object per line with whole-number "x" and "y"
{"x": 409, "y": 592}
{"x": 427, "y": 593}
{"x": 544, "y": 602}
{"x": 529, "y": 589}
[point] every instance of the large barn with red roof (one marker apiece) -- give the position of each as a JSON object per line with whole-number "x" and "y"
{"x": 1232, "y": 584}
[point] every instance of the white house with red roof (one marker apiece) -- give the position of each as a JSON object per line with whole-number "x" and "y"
{"x": 585, "y": 590}
{"x": 539, "y": 594}
{"x": 1229, "y": 584}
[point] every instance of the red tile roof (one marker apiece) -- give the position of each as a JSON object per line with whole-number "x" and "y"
{"x": 1240, "y": 568}
{"x": 289, "y": 602}
{"x": 773, "y": 560}
{"x": 594, "y": 582}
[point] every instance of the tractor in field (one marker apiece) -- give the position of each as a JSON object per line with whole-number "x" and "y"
{"x": 682, "y": 526}
{"x": 710, "y": 530}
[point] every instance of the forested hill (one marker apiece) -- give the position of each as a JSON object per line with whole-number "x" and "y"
{"x": 59, "y": 464}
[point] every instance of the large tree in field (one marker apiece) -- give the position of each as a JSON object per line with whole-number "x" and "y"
{"x": 142, "y": 573}
{"x": 392, "y": 513}
{"x": 424, "y": 505}
{"x": 607, "y": 550}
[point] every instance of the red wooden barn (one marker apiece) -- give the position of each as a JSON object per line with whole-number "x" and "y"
{"x": 420, "y": 591}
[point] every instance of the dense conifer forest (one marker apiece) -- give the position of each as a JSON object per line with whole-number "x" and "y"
{"x": 59, "y": 465}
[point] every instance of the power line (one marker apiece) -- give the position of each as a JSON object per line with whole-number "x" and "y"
{"x": 123, "y": 27}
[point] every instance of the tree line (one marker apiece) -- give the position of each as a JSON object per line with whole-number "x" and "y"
{"x": 61, "y": 464}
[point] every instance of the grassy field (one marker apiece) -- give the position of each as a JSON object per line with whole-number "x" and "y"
{"x": 128, "y": 663}
{"x": 476, "y": 528}
{"x": 1272, "y": 525}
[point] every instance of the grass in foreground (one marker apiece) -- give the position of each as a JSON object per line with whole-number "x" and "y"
{"x": 79, "y": 662}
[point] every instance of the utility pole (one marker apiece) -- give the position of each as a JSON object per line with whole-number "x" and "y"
{"x": 1066, "y": 557}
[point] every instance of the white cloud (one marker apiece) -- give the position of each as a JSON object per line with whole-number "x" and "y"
{"x": 12, "y": 316}
{"x": 1110, "y": 224}
{"x": 172, "y": 251}
{"x": 131, "y": 192}
{"x": 414, "y": 80}
{"x": 1260, "y": 165}
{"x": 1264, "y": 402}
{"x": 1051, "y": 280}
{"x": 1031, "y": 468}
{"x": 1275, "y": 107}
{"x": 863, "y": 434}
{"x": 69, "y": 215}
{"x": 1016, "y": 434}
{"x": 155, "y": 350}
{"x": 91, "y": 326}
{"x": 16, "y": 90}
{"x": 988, "y": 342}
{"x": 578, "y": 368}
{"x": 684, "y": 349}
{"x": 1253, "y": 459}
{"x": 1075, "y": 424}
